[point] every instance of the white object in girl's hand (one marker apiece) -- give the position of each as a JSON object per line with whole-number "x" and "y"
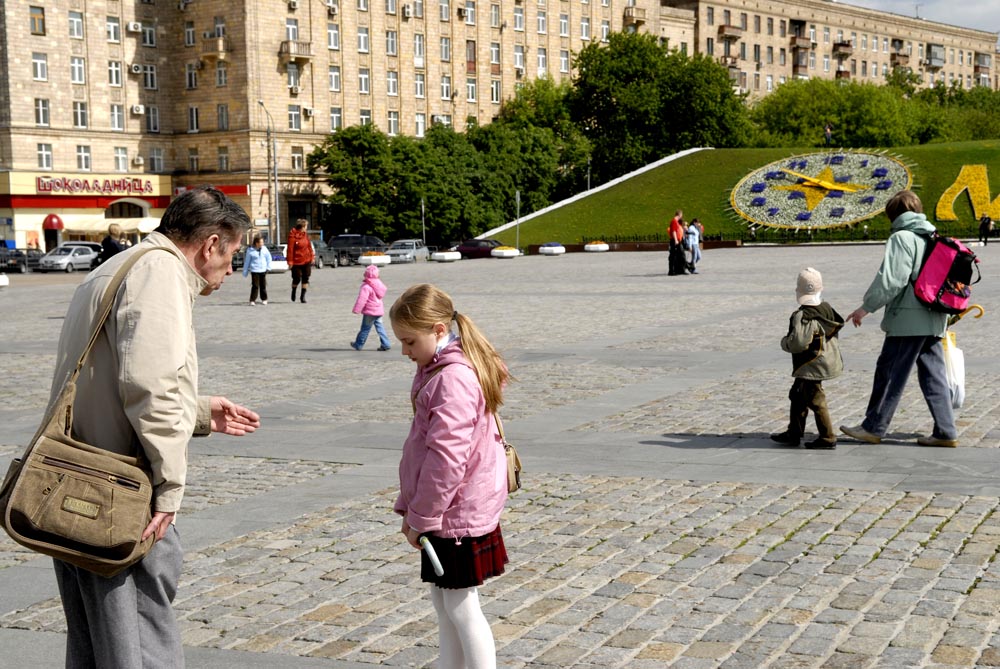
{"x": 432, "y": 556}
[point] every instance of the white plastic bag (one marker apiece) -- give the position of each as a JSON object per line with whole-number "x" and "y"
{"x": 954, "y": 366}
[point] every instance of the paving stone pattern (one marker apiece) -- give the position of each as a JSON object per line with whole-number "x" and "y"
{"x": 625, "y": 572}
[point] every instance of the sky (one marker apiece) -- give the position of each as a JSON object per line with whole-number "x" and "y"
{"x": 979, "y": 14}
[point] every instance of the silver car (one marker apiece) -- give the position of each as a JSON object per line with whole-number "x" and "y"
{"x": 68, "y": 259}
{"x": 408, "y": 250}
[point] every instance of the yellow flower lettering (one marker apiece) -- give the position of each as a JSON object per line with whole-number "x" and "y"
{"x": 975, "y": 180}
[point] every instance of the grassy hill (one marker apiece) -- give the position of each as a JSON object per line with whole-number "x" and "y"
{"x": 700, "y": 184}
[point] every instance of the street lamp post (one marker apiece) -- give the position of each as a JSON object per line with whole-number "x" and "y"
{"x": 272, "y": 169}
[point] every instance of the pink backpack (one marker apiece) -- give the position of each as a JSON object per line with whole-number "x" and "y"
{"x": 945, "y": 278}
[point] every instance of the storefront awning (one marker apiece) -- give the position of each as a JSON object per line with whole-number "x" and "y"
{"x": 143, "y": 225}
{"x": 52, "y": 222}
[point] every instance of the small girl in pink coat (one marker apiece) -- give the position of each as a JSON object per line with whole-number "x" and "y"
{"x": 453, "y": 472}
{"x": 369, "y": 305}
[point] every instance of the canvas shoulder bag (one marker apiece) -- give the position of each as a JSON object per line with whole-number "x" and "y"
{"x": 513, "y": 461}
{"x": 73, "y": 501}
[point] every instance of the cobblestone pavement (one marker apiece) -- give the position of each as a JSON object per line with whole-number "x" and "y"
{"x": 889, "y": 562}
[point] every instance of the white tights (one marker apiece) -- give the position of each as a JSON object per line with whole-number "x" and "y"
{"x": 466, "y": 639}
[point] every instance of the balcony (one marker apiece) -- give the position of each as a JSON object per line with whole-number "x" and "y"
{"x": 842, "y": 49}
{"x": 729, "y": 62}
{"x": 800, "y": 69}
{"x": 982, "y": 68}
{"x": 899, "y": 59}
{"x": 215, "y": 48}
{"x": 730, "y": 32}
{"x": 800, "y": 42}
{"x": 934, "y": 63}
{"x": 635, "y": 16}
{"x": 843, "y": 75}
{"x": 292, "y": 51}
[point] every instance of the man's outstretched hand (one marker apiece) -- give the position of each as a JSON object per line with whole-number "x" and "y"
{"x": 232, "y": 419}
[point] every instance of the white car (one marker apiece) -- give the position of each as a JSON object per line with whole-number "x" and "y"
{"x": 67, "y": 258}
{"x": 408, "y": 250}
{"x": 279, "y": 261}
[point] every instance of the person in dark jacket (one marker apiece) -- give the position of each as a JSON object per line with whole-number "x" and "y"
{"x": 985, "y": 229}
{"x": 812, "y": 341}
{"x": 110, "y": 245}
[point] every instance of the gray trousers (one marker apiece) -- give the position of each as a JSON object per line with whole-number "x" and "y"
{"x": 124, "y": 622}
{"x": 892, "y": 370}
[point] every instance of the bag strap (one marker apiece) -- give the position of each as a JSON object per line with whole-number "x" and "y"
{"x": 413, "y": 397}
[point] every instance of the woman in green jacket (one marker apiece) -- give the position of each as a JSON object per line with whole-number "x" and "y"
{"x": 912, "y": 331}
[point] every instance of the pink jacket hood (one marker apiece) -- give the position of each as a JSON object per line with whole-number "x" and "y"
{"x": 370, "y": 296}
{"x": 453, "y": 472}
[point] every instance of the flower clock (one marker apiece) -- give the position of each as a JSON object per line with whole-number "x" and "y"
{"x": 820, "y": 190}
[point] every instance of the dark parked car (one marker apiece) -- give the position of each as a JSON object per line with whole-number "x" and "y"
{"x": 346, "y": 249}
{"x": 19, "y": 260}
{"x": 477, "y": 248}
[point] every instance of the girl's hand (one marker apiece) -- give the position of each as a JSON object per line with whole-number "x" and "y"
{"x": 412, "y": 536}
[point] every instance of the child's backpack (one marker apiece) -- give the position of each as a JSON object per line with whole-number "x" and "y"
{"x": 945, "y": 278}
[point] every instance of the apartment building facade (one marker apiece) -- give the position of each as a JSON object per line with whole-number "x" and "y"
{"x": 109, "y": 108}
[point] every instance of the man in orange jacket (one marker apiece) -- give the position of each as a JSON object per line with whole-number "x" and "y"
{"x": 300, "y": 257}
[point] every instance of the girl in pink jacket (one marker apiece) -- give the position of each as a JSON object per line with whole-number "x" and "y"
{"x": 369, "y": 305}
{"x": 453, "y": 473}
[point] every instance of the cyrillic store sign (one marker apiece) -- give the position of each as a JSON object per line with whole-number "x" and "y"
{"x": 75, "y": 186}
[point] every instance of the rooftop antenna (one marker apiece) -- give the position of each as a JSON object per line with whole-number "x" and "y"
{"x": 916, "y": 10}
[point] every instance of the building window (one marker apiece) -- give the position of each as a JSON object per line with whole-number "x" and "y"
{"x": 769, "y": 83}
{"x": 564, "y": 61}
{"x": 79, "y": 114}
{"x": 781, "y": 56}
{"x": 418, "y": 84}
{"x": 298, "y": 159}
{"x": 221, "y": 74}
{"x": 782, "y": 32}
{"x": 77, "y": 70}
{"x": 826, "y": 62}
{"x": 113, "y": 28}
{"x": 156, "y": 159}
{"x": 494, "y": 16}
{"x": 333, "y": 75}
{"x": 418, "y": 50}
{"x": 294, "y": 117}
{"x": 362, "y": 5}
{"x": 445, "y": 49}
{"x": 41, "y": 112}
{"x": 364, "y": 81}
{"x": 148, "y": 35}
{"x": 756, "y": 29}
{"x": 393, "y": 123}
{"x": 293, "y": 74}
{"x": 190, "y": 76}
{"x": 121, "y": 159}
{"x": 543, "y": 61}
{"x": 470, "y": 90}
{"x": 770, "y": 55}
{"x": 365, "y": 117}
{"x": 710, "y": 46}
{"x": 770, "y": 26}
{"x": 44, "y": 152}
{"x": 362, "y": 39}
{"x": 392, "y": 83}
{"x": 470, "y": 12}
{"x": 336, "y": 119}
{"x": 222, "y": 153}
{"x": 193, "y": 159}
{"x": 418, "y": 8}
{"x": 606, "y": 30}
{"x": 390, "y": 42}
{"x": 219, "y": 23}
{"x": 519, "y": 56}
{"x": 495, "y": 91}
{"x": 494, "y": 53}
{"x": 519, "y": 18}
{"x": 76, "y": 25}
{"x": 710, "y": 16}
{"x": 193, "y": 125}
{"x": 292, "y": 29}
{"x": 222, "y": 116}
{"x": 114, "y": 73}
{"x": 83, "y": 161}
{"x": 564, "y": 25}
{"x": 118, "y": 118}
{"x": 189, "y": 33}
{"x": 445, "y": 87}
{"x": 37, "y": 20}
{"x": 444, "y": 10}
{"x": 390, "y": 6}
{"x": 333, "y": 36}
{"x": 542, "y": 22}
{"x": 585, "y": 27}
{"x": 420, "y": 125}
{"x": 149, "y": 77}
{"x": 152, "y": 119}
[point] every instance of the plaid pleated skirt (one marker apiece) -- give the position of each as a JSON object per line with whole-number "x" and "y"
{"x": 466, "y": 564}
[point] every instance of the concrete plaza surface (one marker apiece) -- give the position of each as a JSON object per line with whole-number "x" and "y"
{"x": 659, "y": 526}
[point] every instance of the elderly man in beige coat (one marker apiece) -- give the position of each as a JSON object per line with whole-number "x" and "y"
{"x": 139, "y": 390}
